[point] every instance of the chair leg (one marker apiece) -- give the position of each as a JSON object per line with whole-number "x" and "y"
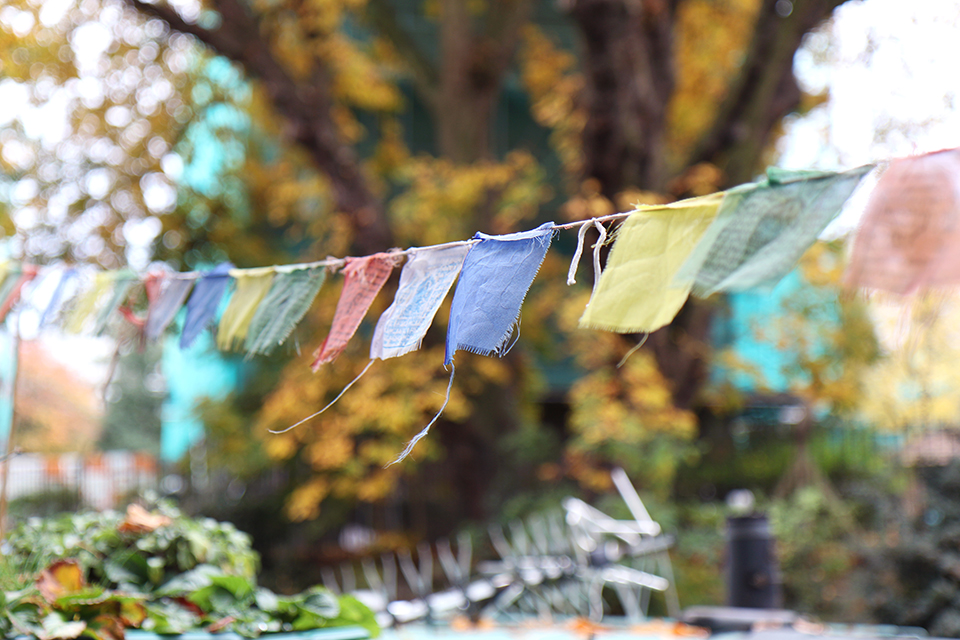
{"x": 673, "y": 600}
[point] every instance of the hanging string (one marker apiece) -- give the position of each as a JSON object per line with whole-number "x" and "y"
{"x": 329, "y": 261}
{"x": 426, "y": 429}
{"x": 337, "y": 263}
{"x": 575, "y": 262}
{"x": 633, "y": 350}
{"x": 606, "y": 218}
{"x": 332, "y": 402}
{"x": 596, "y": 254}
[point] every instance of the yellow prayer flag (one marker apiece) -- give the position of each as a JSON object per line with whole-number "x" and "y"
{"x": 252, "y": 286}
{"x": 89, "y": 301}
{"x": 637, "y": 292}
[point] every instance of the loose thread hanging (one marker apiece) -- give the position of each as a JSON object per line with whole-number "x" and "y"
{"x": 516, "y": 338}
{"x": 596, "y": 253}
{"x": 332, "y": 402}
{"x": 633, "y": 350}
{"x": 426, "y": 429}
{"x": 575, "y": 262}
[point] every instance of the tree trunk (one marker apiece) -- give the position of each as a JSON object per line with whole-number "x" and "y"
{"x": 628, "y": 68}
{"x": 462, "y": 91}
{"x": 468, "y": 90}
{"x": 682, "y": 350}
{"x": 629, "y": 75}
{"x": 472, "y": 68}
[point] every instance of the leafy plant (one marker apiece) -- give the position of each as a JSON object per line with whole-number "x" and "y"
{"x": 61, "y": 605}
{"x": 917, "y": 559}
{"x": 813, "y": 533}
{"x": 160, "y": 571}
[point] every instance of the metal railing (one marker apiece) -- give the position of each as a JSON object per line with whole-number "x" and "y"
{"x": 99, "y": 480}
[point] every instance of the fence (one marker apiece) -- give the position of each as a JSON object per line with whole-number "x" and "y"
{"x": 100, "y": 480}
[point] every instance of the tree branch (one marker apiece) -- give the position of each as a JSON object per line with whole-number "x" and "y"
{"x": 425, "y": 74}
{"x": 764, "y": 91}
{"x": 223, "y": 40}
{"x": 306, "y": 106}
{"x": 472, "y": 67}
{"x": 505, "y": 22}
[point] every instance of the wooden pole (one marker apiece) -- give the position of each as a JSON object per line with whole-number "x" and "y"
{"x": 10, "y": 452}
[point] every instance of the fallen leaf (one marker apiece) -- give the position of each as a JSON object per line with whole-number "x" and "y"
{"x": 220, "y": 624}
{"x": 139, "y": 520}
{"x": 59, "y": 579}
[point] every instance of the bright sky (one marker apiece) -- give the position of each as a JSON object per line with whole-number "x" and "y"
{"x": 888, "y": 67}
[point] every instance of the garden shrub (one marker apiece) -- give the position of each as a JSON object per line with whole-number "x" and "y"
{"x": 96, "y": 574}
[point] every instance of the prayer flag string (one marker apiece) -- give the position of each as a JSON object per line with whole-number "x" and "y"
{"x": 747, "y": 237}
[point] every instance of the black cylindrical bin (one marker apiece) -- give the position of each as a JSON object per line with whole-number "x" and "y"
{"x": 753, "y": 576}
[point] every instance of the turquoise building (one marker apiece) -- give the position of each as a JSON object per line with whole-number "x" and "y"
{"x": 192, "y": 375}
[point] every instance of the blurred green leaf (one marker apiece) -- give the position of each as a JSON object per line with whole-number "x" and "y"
{"x": 55, "y": 627}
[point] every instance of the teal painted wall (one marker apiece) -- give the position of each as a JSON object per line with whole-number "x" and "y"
{"x": 738, "y": 329}
{"x": 750, "y": 328}
{"x": 8, "y": 369}
{"x": 192, "y": 375}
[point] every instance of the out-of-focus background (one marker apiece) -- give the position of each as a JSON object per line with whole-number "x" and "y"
{"x": 278, "y": 131}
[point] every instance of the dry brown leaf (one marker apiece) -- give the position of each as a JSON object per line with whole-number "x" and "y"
{"x": 139, "y": 520}
{"x": 60, "y": 578}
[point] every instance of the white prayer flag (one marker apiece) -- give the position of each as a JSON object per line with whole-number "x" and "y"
{"x": 424, "y": 282}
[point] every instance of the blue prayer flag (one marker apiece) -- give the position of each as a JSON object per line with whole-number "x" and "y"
{"x": 496, "y": 275}
{"x": 164, "y": 309}
{"x": 202, "y": 305}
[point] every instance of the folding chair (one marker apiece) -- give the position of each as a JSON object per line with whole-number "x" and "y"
{"x": 605, "y": 545}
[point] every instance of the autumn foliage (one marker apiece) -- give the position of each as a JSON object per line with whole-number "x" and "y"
{"x": 270, "y": 132}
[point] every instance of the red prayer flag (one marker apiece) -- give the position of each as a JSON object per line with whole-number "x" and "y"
{"x": 364, "y": 277}
{"x": 152, "y": 283}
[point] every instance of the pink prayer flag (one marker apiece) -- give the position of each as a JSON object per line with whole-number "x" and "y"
{"x": 28, "y": 272}
{"x": 910, "y": 231}
{"x": 364, "y": 277}
{"x": 152, "y": 284}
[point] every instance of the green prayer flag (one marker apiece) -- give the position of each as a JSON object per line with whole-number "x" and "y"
{"x": 121, "y": 282}
{"x": 762, "y": 229}
{"x": 288, "y": 300}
